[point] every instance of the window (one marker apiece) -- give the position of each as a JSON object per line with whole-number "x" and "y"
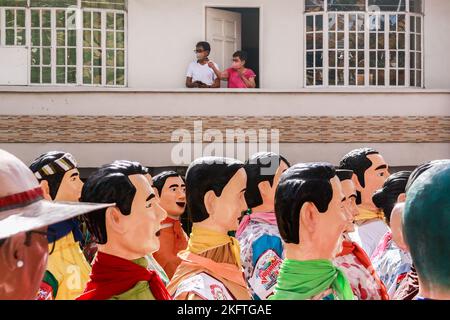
{"x": 12, "y": 25}
{"x": 363, "y": 43}
{"x": 103, "y": 47}
{"x": 72, "y": 42}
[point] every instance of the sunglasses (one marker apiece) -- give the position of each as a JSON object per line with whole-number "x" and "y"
{"x": 29, "y": 234}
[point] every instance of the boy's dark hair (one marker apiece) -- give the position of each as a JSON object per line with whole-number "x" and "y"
{"x": 54, "y": 180}
{"x": 303, "y": 182}
{"x": 254, "y": 167}
{"x": 110, "y": 184}
{"x": 160, "y": 179}
{"x": 357, "y": 161}
{"x": 205, "y": 174}
{"x": 205, "y": 45}
{"x": 242, "y": 55}
{"x": 386, "y": 197}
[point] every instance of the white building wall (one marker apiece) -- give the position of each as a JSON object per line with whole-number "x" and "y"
{"x": 162, "y": 36}
{"x": 437, "y": 43}
{"x": 162, "y": 40}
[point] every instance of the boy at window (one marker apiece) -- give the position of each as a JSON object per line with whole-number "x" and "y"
{"x": 237, "y": 76}
{"x": 199, "y": 73}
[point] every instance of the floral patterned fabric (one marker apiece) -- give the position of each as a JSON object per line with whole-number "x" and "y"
{"x": 391, "y": 263}
{"x": 256, "y": 240}
{"x": 363, "y": 285}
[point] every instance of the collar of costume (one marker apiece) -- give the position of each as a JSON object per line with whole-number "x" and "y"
{"x": 267, "y": 217}
{"x": 65, "y": 163}
{"x": 112, "y": 275}
{"x": 381, "y": 248}
{"x": 175, "y": 224}
{"x": 366, "y": 214}
{"x": 61, "y": 229}
{"x": 202, "y": 240}
{"x": 349, "y": 247}
{"x": 22, "y": 199}
{"x": 300, "y": 280}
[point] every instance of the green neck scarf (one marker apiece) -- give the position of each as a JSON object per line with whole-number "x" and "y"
{"x": 300, "y": 280}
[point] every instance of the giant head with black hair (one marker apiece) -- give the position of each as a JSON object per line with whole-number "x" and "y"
{"x": 426, "y": 228}
{"x": 349, "y": 190}
{"x": 417, "y": 172}
{"x": 58, "y": 176}
{"x": 393, "y": 191}
{"x": 171, "y": 190}
{"x": 215, "y": 189}
{"x": 309, "y": 208}
{"x": 263, "y": 173}
{"x": 370, "y": 169}
{"x": 129, "y": 229}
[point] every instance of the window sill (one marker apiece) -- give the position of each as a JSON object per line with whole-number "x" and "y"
{"x": 60, "y": 89}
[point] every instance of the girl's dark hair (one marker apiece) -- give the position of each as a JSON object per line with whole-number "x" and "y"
{"x": 241, "y": 55}
{"x": 386, "y": 197}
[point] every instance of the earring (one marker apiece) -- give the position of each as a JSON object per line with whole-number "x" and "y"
{"x": 19, "y": 263}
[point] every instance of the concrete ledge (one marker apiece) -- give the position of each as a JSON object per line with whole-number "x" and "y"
{"x": 339, "y": 90}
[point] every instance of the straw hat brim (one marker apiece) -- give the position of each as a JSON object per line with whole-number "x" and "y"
{"x": 42, "y": 213}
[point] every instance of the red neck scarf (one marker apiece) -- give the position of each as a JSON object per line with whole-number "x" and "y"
{"x": 180, "y": 239}
{"x": 112, "y": 275}
{"x": 349, "y": 247}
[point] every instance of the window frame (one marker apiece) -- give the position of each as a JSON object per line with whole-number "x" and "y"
{"x": 79, "y": 12}
{"x": 325, "y": 49}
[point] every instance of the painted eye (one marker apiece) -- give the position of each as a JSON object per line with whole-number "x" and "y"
{"x": 148, "y": 205}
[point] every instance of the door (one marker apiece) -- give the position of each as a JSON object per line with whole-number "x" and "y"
{"x": 223, "y": 32}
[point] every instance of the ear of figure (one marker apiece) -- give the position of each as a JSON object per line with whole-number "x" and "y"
{"x": 46, "y": 190}
{"x": 308, "y": 217}
{"x": 265, "y": 189}
{"x": 155, "y": 190}
{"x": 401, "y": 197}
{"x": 356, "y": 183}
{"x": 210, "y": 202}
{"x": 114, "y": 220}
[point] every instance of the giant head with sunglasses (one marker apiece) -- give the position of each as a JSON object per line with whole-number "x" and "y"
{"x": 126, "y": 233}
{"x": 24, "y": 217}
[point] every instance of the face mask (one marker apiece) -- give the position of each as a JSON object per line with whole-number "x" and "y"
{"x": 236, "y": 65}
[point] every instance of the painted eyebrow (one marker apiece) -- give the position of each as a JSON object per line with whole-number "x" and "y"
{"x": 150, "y": 197}
{"x": 74, "y": 174}
{"x": 383, "y": 166}
{"x": 343, "y": 199}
